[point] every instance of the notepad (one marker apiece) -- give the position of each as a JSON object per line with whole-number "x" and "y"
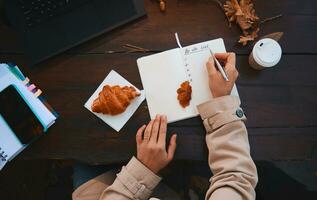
{"x": 162, "y": 74}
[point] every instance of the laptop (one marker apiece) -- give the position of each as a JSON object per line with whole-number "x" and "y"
{"x": 48, "y": 27}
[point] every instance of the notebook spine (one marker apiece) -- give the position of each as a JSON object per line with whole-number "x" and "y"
{"x": 3, "y": 156}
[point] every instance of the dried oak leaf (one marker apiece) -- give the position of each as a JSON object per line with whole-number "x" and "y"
{"x": 248, "y": 10}
{"x": 243, "y": 13}
{"x": 248, "y": 18}
{"x": 231, "y": 9}
{"x": 250, "y": 37}
{"x": 184, "y": 94}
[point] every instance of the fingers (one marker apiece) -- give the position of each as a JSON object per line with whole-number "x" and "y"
{"x": 230, "y": 67}
{"x": 232, "y": 74}
{"x": 139, "y": 134}
{"x": 229, "y": 58}
{"x": 211, "y": 68}
{"x": 155, "y": 129}
{"x": 162, "y": 131}
{"x": 222, "y": 56}
{"x": 148, "y": 131}
{"x": 171, "y": 148}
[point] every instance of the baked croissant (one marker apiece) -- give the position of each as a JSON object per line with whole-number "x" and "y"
{"x": 114, "y": 100}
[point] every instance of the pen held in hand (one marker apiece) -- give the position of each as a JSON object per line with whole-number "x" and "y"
{"x": 220, "y": 68}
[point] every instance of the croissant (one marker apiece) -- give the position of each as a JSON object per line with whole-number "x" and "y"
{"x": 114, "y": 100}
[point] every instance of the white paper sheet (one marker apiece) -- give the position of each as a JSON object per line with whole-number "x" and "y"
{"x": 117, "y": 121}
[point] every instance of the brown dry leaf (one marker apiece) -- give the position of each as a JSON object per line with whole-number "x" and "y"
{"x": 243, "y": 13}
{"x": 248, "y": 10}
{"x": 230, "y": 11}
{"x": 237, "y": 7}
{"x": 184, "y": 94}
{"x": 245, "y": 39}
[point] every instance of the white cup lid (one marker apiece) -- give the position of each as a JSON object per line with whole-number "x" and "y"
{"x": 267, "y": 52}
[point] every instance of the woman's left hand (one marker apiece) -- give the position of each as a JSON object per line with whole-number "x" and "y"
{"x": 151, "y": 144}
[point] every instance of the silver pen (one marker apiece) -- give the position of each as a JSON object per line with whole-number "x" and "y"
{"x": 220, "y": 68}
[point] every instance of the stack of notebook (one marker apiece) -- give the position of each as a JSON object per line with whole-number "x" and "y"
{"x": 24, "y": 113}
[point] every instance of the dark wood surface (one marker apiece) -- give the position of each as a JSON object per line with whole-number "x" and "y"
{"x": 280, "y": 103}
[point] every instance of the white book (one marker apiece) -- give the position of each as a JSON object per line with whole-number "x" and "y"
{"x": 163, "y": 73}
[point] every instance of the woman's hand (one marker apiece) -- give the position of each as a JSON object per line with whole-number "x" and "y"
{"x": 151, "y": 144}
{"x": 217, "y": 84}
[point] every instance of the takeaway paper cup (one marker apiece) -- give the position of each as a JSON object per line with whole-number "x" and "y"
{"x": 266, "y": 53}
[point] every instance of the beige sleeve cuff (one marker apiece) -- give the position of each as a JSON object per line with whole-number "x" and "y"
{"x": 220, "y": 111}
{"x": 225, "y": 193}
{"x": 138, "y": 179}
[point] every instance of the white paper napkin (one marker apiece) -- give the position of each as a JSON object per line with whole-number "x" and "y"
{"x": 117, "y": 121}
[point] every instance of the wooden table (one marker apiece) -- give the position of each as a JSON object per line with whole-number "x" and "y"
{"x": 280, "y": 103}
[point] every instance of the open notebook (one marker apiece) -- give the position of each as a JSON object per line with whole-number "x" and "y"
{"x": 162, "y": 74}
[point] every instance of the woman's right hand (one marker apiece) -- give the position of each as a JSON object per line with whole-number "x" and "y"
{"x": 217, "y": 84}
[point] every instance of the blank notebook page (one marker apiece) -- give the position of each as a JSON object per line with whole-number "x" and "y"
{"x": 161, "y": 75}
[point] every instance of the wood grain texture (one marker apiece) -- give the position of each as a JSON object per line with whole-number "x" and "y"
{"x": 197, "y": 21}
{"x": 280, "y": 103}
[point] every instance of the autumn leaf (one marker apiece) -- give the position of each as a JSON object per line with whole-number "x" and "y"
{"x": 243, "y": 13}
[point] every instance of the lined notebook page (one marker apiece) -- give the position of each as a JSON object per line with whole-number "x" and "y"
{"x": 162, "y": 74}
{"x": 195, "y": 58}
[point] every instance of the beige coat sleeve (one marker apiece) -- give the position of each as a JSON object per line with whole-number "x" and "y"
{"x": 135, "y": 181}
{"x": 234, "y": 172}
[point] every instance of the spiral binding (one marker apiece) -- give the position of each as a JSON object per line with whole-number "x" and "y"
{"x": 3, "y": 157}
